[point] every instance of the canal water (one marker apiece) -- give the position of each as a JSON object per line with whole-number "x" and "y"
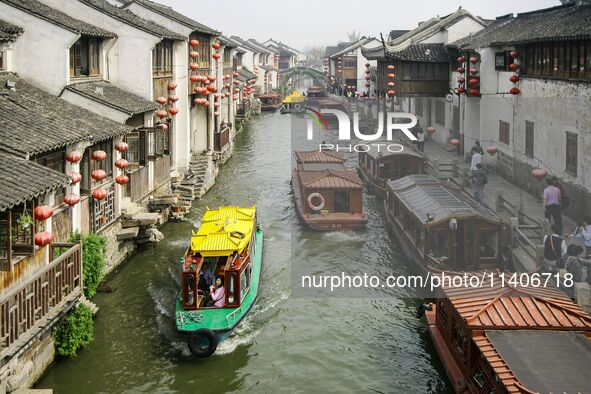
{"x": 288, "y": 343}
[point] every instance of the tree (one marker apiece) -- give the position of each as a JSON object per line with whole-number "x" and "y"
{"x": 353, "y": 36}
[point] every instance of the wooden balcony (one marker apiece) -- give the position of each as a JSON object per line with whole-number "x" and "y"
{"x": 243, "y": 110}
{"x": 33, "y": 306}
{"x": 421, "y": 88}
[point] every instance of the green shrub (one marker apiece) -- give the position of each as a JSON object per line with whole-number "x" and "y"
{"x": 74, "y": 331}
{"x": 94, "y": 247}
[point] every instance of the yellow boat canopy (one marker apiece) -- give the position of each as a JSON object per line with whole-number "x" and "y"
{"x": 294, "y": 97}
{"x": 224, "y": 231}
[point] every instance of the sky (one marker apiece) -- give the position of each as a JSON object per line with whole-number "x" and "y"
{"x": 301, "y": 23}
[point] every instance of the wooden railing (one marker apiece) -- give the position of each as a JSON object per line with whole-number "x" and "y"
{"x": 32, "y": 306}
{"x": 139, "y": 183}
{"x": 221, "y": 139}
{"x": 161, "y": 170}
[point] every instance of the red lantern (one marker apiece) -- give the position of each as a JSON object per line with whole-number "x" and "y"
{"x": 367, "y": 85}
{"x": 514, "y": 78}
{"x": 227, "y": 85}
{"x": 514, "y": 54}
{"x": 539, "y": 173}
{"x": 161, "y": 100}
{"x": 216, "y": 56}
{"x": 391, "y": 93}
{"x": 171, "y": 86}
{"x": 431, "y": 129}
{"x": 492, "y": 150}
{"x": 474, "y": 81}
{"x": 173, "y": 111}
{"x": 98, "y": 175}
{"x": 194, "y": 78}
{"x": 99, "y": 155}
{"x": 461, "y": 70}
{"x": 513, "y": 66}
{"x": 473, "y": 60}
{"x": 391, "y": 76}
{"x": 367, "y": 77}
{"x": 216, "y": 104}
{"x": 236, "y": 74}
{"x": 391, "y": 84}
{"x": 455, "y": 142}
{"x": 216, "y": 45}
{"x": 514, "y": 91}
{"x": 194, "y": 55}
{"x": 236, "y": 83}
{"x": 122, "y": 179}
{"x": 121, "y": 163}
{"x": 461, "y": 80}
{"x": 367, "y": 72}
{"x": 121, "y": 146}
{"x": 216, "y": 114}
{"x": 461, "y": 59}
{"x": 461, "y": 90}
{"x": 43, "y": 238}
{"x": 235, "y": 97}
{"x": 390, "y": 67}
{"x": 163, "y": 126}
{"x": 173, "y": 98}
{"x": 236, "y": 90}
{"x": 211, "y": 78}
{"x": 193, "y": 66}
{"x": 367, "y": 65}
{"x": 474, "y": 92}
{"x": 212, "y": 89}
{"x": 43, "y": 212}
{"x": 161, "y": 113}
{"x": 99, "y": 194}
{"x": 473, "y": 71}
{"x": 75, "y": 177}
{"x": 72, "y": 199}
{"x": 194, "y": 43}
{"x": 74, "y": 156}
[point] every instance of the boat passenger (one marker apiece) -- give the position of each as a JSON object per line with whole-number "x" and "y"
{"x": 206, "y": 278}
{"x": 217, "y": 293}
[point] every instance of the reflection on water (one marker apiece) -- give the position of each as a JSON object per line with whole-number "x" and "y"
{"x": 288, "y": 343}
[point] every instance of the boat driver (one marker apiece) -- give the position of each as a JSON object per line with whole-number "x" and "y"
{"x": 206, "y": 278}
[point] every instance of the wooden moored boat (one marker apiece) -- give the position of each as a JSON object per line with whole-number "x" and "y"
{"x": 511, "y": 339}
{"x": 440, "y": 228}
{"x": 377, "y": 168}
{"x": 230, "y": 242}
{"x": 295, "y": 102}
{"x": 316, "y": 91}
{"x": 328, "y": 196}
{"x": 270, "y": 101}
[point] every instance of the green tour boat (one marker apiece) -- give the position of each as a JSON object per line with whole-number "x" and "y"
{"x": 220, "y": 277}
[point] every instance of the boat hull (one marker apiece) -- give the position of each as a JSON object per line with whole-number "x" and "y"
{"x": 372, "y": 186}
{"x": 222, "y": 321}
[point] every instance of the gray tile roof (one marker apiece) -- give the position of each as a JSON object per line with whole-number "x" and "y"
{"x": 331, "y": 50}
{"x": 131, "y": 19}
{"x": 553, "y": 24}
{"x": 33, "y": 121}
{"x": 421, "y": 53}
{"x": 112, "y": 96}
{"x": 247, "y": 45}
{"x": 59, "y": 18}
{"x": 373, "y": 53}
{"x": 22, "y": 180}
{"x": 9, "y": 32}
{"x": 394, "y": 34}
{"x": 423, "y": 194}
{"x": 261, "y": 47}
{"x": 245, "y": 75}
{"x": 177, "y": 16}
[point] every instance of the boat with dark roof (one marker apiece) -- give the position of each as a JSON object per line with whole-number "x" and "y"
{"x": 511, "y": 339}
{"x": 377, "y": 168}
{"x": 270, "y": 101}
{"x": 328, "y": 195}
{"x": 441, "y": 228}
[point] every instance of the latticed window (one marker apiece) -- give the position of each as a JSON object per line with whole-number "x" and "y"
{"x": 504, "y": 132}
{"x": 103, "y": 210}
{"x": 440, "y": 112}
{"x": 162, "y": 58}
{"x": 17, "y": 228}
{"x": 85, "y": 57}
{"x": 529, "y": 138}
{"x": 204, "y": 49}
{"x": 571, "y": 152}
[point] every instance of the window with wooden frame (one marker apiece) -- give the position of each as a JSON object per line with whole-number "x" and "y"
{"x": 85, "y": 57}
{"x": 55, "y": 160}
{"x": 227, "y": 57}
{"x": 204, "y": 49}
{"x": 161, "y": 142}
{"x": 529, "y": 138}
{"x": 440, "y": 112}
{"x": 88, "y": 165}
{"x": 162, "y": 56}
{"x": 571, "y": 152}
{"x": 17, "y": 232}
{"x": 2, "y": 65}
{"x": 349, "y": 62}
{"x": 561, "y": 59}
{"x": 504, "y": 132}
{"x": 136, "y": 152}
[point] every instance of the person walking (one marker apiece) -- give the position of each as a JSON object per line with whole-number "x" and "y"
{"x": 477, "y": 148}
{"x": 476, "y": 160}
{"x": 554, "y": 249}
{"x": 421, "y": 140}
{"x": 479, "y": 180}
{"x": 552, "y": 204}
{"x": 584, "y": 234}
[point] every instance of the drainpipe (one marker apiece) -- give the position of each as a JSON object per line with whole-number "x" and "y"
{"x": 107, "y": 48}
